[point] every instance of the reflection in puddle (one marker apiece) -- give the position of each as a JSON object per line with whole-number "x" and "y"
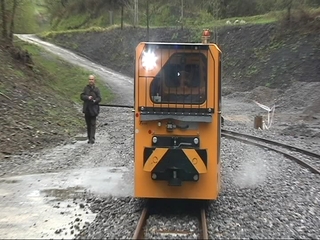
{"x": 9, "y": 181}
{"x": 80, "y": 138}
{"x": 114, "y": 170}
{"x": 60, "y": 194}
{"x": 48, "y": 205}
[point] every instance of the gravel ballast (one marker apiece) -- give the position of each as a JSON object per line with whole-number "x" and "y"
{"x": 263, "y": 195}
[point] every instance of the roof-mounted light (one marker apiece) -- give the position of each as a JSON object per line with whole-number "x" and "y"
{"x": 149, "y": 60}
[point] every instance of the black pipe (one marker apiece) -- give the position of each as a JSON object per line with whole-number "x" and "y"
{"x": 114, "y": 105}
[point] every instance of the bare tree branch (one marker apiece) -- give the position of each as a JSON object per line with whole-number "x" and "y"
{"x": 2, "y": 94}
{"x": 14, "y": 7}
{"x": 4, "y": 19}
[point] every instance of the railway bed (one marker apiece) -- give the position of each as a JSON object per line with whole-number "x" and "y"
{"x": 158, "y": 219}
{"x": 310, "y": 160}
{"x": 158, "y": 229}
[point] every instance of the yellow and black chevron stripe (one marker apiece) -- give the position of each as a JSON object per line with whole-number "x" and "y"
{"x": 162, "y": 158}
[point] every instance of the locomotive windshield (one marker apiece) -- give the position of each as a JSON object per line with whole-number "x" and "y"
{"x": 182, "y": 80}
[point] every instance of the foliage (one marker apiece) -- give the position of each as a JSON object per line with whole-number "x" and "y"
{"x": 18, "y": 16}
{"x": 34, "y": 15}
{"x": 301, "y": 21}
{"x": 74, "y": 14}
{"x": 26, "y": 18}
{"x": 64, "y": 78}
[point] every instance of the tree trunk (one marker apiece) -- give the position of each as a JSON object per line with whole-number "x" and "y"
{"x": 181, "y": 16}
{"x": 4, "y": 19}
{"x": 148, "y": 16}
{"x": 110, "y": 17}
{"x": 14, "y": 7}
{"x": 289, "y": 4}
{"x": 135, "y": 21}
{"x": 289, "y": 14}
{"x": 122, "y": 7}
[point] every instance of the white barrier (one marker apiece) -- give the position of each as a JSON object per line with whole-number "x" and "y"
{"x": 270, "y": 114}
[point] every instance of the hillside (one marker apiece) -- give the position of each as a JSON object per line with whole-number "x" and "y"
{"x": 264, "y": 62}
{"x": 253, "y": 55}
{"x": 39, "y": 106}
{"x": 269, "y": 63}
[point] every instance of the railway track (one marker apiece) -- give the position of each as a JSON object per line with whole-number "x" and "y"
{"x": 142, "y": 228}
{"x": 141, "y": 231}
{"x": 253, "y": 140}
{"x": 312, "y": 165}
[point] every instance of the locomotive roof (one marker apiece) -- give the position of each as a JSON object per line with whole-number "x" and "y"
{"x": 181, "y": 45}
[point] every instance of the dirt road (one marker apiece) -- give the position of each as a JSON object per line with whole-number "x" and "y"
{"x": 119, "y": 84}
{"x": 42, "y": 194}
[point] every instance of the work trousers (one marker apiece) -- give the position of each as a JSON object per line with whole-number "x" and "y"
{"x": 91, "y": 127}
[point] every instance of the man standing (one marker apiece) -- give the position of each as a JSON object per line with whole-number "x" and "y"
{"x": 91, "y": 98}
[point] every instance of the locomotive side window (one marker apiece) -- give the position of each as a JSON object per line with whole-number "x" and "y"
{"x": 181, "y": 80}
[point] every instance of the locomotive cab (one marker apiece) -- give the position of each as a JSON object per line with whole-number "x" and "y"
{"x": 177, "y": 120}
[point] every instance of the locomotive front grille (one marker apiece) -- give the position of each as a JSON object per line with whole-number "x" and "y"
{"x": 176, "y": 142}
{"x": 175, "y": 165}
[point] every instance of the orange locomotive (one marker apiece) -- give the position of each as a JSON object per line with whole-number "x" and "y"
{"x": 177, "y": 96}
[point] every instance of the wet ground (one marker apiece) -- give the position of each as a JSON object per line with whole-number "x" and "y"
{"x": 43, "y": 195}
{"x": 48, "y": 202}
{"x": 51, "y": 205}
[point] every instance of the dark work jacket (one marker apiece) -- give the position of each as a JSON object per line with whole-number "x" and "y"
{"x": 89, "y": 107}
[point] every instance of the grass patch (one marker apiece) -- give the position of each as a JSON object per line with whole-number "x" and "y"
{"x": 82, "y": 23}
{"x": 52, "y": 34}
{"x": 3, "y": 89}
{"x": 41, "y": 106}
{"x": 259, "y": 19}
{"x": 66, "y": 79}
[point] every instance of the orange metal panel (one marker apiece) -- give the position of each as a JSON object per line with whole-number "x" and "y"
{"x": 208, "y": 185}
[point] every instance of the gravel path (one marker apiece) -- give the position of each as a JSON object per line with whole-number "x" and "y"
{"x": 114, "y": 137}
{"x": 263, "y": 195}
{"x": 240, "y": 115}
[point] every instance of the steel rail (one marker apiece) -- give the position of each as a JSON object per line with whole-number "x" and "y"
{"x": 203, "y": 222}
{"x": 297, "y": 160}
{"x": 116, "y": 106}
{"x": 139, "y": 231}
{"x": 306, "y": 152}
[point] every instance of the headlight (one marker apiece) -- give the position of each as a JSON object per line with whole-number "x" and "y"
{"x": 196, "y": 140}
{"x": 149, "y": 60}
{"x": 154, "y": 139}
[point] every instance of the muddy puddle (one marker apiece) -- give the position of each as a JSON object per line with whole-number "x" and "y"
{"x": 50, "y": 206}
